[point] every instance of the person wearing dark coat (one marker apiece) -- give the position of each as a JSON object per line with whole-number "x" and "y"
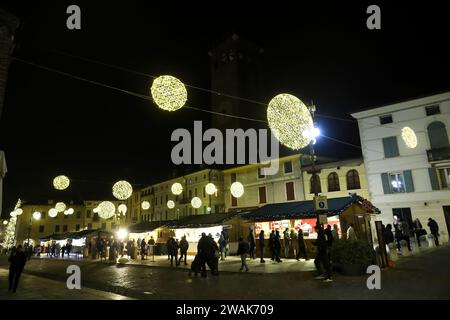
{"x": 173, "y": 251}
{"x": 388, "y": 235}
{"x": 243, "y": 249}
{"x": 203, "y": 251}
{"x": 434, "y": 229}
{"x": 261, "y": 246}
{"x": 17, "y": 263}
{"x": 398, "y": 236}
{"x": 418, "y": 230}
{"x": 143, "y": 249}
{"x": 272, "y": 245}
{"x": 277, "y": 246}
{"x": 184, "y": 246}
{"x": 322, "y": 259}
{"x": 301, "y": 246}
{"x": 329, "y": 235}
{"x": 252, "y": 243}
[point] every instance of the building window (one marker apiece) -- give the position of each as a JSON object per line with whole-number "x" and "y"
{"x": 290, "y": 194}
{"x": 260, "y": 173}
{"x": 66, "y": 216}
{"x": 353, "y": 180}
{"x": 41, "y": 229}
{"x": 333, "y": 182}
{"x": 89, "y": 226}
{"x": 96, "y": 218}
{"x": 386, "y": 119}
{"x": 233, "y": 201}
{"x": 78, "y": 215}
{"x": 77, "y": 227}
{"x": 56, "y": 229}
{"x": 88, "y": 213}
{"x": 288, "y": 167}
{"x": 390, "y": 147}
{"x": 315, "y": 184}
{"x": 438, "y": 135}
{"x": 43, "y": 215}
{"x": 195, "y": 191}
{"x": 103, "y": 225}
{"x": 397, "y": 182}
{"x": 233, "y": 177}
{"x": 65, "y": 228}
{"x": 113, "y": 225}
{"x": 262, "y": 195}
{"x": 444, "y": 178}
{"x": 190, "y": 211}
{"x": 167, "y": 198}
{"x": 190, "y": 194}
{"x": 204, "y": 192}
{"x": 431, "y": 110}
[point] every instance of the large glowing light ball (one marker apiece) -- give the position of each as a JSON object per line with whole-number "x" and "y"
{"x": 196, "y": 202}
{"x": 145, "y": 205}
{"x": 18, "y": 211}
{"x": 122, "y": 190}
{"x": 210, "y": 188}
{"x": 122, "y": 208}
{"x": 13, "y": 214}
{"x": 5, "y": 222}
{"x": 177, "y": 188}
{"x": 169, "y": 93}
{"x": 289, "y": 119}
{"x": 52, "y": 213}
{"x": 61, "y": 182}
{"x": 122, "y": 234}
{"x": 106, "y": 209}
{"x": 237, "y": 189}
{"x": 409, "y": 137}
{"x": 60, "y": 206}
{"x": 170, "y": 204}
{"x": 36, "y": 215}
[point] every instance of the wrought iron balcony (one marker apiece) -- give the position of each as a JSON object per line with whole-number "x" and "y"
{"x": 439, "y": 154}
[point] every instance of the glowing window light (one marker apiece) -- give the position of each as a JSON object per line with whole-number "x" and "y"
{"x": 52, "y": 213}
{"x": 122, "y": 190}
{"x": 145, "y": 205}
{"x": 106, "y": 209}
{"x": 289, "y": 119}
{"x": 60, "y": 206}
{"x": 177, "y": 188}
{"x": 409, "y": 137}
{"x": 210, "y": 188}
{"x": 19, "y": 211}
{"x": 170, "y": 204}
{"x": 169, "y": 93}
{"x": 237, "y": 189}
{"x": 122, "y": 208}
{"x": 196, "y": 202}
{"x": 61, "y": 182}
{"x": 36, "y": 215}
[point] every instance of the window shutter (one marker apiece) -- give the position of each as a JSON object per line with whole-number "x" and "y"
{"x": 390, "y": 147}
{"x": 407, "y": 175}
{"x": 433, "y": 178}
{"x": 385, "y": 181}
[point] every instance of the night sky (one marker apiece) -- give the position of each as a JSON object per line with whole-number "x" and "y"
{"x": 52, "y": 124}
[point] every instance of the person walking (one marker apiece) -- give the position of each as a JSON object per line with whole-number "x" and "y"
{"x": 243, "y": 249}
{"x": 434, "y": 229}
{"x": 287, "y": 242}
{"x": 301, "y": 246}
{"x": 261, "y": 246}
{"x": 143, "y": 249}
{"x": 388, "y": 235}
{"x": 329, "y": 235}
{"x": 398, "y": 236}
{"x": 277, "y": 246}
{"x": 184, "y": 246}
{"x": 222, "y": 247}
{"x": 406, "y": 232}
{"x": 322, "y": 261}
{"x": 168, "y": 243}
{"x": 351, "y": 234}
{"x": 294, "y": 242}
{"x": 335, "y": 232}
{"x": 17, "y": 261}
{"x": 418, "y": 230}
{"x": 272, "y": 245}
{"x": 252, "y": 243}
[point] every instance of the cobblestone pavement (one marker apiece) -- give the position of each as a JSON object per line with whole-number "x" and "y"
{"x": 423, "y": 276}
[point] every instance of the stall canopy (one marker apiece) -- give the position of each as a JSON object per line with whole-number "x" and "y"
{"x": 54, "y": 236}
{"x": 201, "y": 221}
{"x": 305, "y": 209}
{"x": 74, "y": 235}
{"x": 147, "y": 226}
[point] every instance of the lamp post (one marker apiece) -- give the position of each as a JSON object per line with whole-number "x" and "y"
{"x": 312, "y": 110}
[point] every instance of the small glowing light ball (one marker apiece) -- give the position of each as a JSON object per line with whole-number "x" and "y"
{"x": 409, "y": 137}
{"x": 210, "y": 188}
{"x": 106, "y": 209}
{"x": 145, "y": 205}
{"x": 122, "y": 234}
{"x": 208, "y": 209}
{"x": 66, "y": 212}
{"x": 169, "y": 93}
{"x": 170, "y": 204}
{"x": 289, "y": 119}
{"x": 122, "y": 190}
{"x": 13, "y": 214}
{"x": 60, "y": 206}
{"x": 18, "y": 211}
{"x": 177, "y": 188}
{"x": 95, "y": 210}
{"x": 36, "y": 215}
{"x": 52, "y": 213}
{"x": 237, "y": 189}
{"x": 61, "y": 182}
{"x": 70, "y": 210}
{"x": 122, "y": 208}
{"x": 5, "y": 222}
{"x": 196, "y": 202}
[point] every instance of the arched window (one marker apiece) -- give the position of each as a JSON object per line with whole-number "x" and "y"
{"x": 315, "y": 184}
{"x": 353, "y": 180}
{"x": 438, "y": 135}
{"x": 333, "y": 182}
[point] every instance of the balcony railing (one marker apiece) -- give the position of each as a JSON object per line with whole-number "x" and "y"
{"x": 439, "y": 154}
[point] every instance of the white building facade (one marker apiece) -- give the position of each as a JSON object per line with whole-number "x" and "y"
{"x": 408, "y": 174}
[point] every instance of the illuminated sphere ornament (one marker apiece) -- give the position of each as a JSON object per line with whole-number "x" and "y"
{"x": 36, "y": 215}
{"x": 169, "y": 93}
{"x": 5, "y": 222}
{"x": 52, "y": 213}
{"x": 409, "y": 137}
{"x": 237, "y": 189}
{"x": 177, "y": 188}
{"x": 18, "y": 211}
{"x": 106, "y": 209}
{"x": 170, "y": 204}
{"x": 290, "y": 121}
{"x": 122, "y": 190}
{"x": 66, "y": 212}
{"x": 122, "y": 208}
{"x": 196, "y": 202}
{"x": 61, "y": 182}
{"x": 70, "y": 210}
{"x": 60, "y": 206}
{"x": 145, "y": 205}
{"x": 210, "y": 188}
{"x": 95, "y": 210}
{"x": 13, "y": 214}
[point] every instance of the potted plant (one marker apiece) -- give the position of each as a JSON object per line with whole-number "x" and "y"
{"x": 352, "y": 257}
